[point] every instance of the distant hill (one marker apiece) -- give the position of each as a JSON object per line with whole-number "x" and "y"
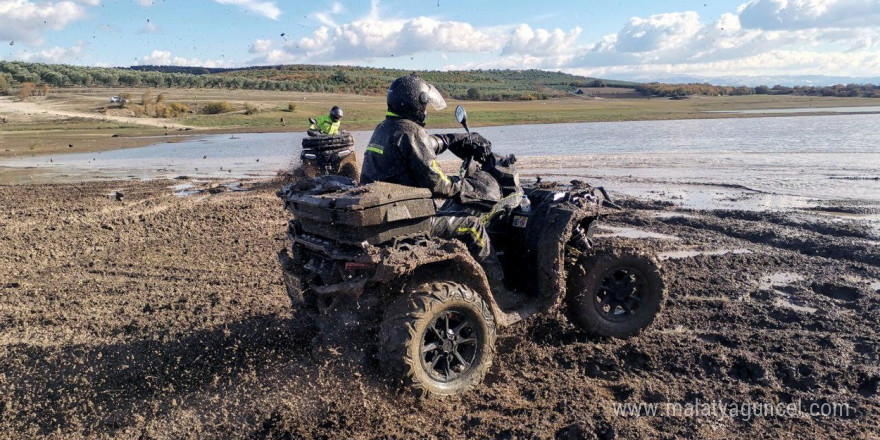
{"x": 471, "y": 84}
{"x": 474, "y": 84}
{"x": 755, "y": 81}
{"x": 492, "y": 85}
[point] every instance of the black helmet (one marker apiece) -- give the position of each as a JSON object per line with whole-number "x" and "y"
{"x": 409, "y": 96}
{"x": 335, "y": 113}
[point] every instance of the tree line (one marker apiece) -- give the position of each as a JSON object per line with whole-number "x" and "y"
{"x": 681, "y": 90}
{"x": 475, "y": 84}
{"x": 492, "y": 84}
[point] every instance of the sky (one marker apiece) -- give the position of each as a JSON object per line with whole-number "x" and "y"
{"x": 638, "y": 40}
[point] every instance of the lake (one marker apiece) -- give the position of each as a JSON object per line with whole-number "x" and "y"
{"x": 777, "y": 161}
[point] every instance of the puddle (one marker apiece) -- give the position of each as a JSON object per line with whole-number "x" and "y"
{"x": 779, "y": 302}
{"x": 668, "y": 215}
{"x": 684, "y": 253}
{"x": 871, "y": 219}
{"x": 780, "y": 279}
{"x": 200, "y": 187}
{"x": 847, "y": 215}
{"x": 865, "y": 109}
{"x": 706, "y": 298}
{"x": 616, "y": 231}
{"x": 187, "y": 193}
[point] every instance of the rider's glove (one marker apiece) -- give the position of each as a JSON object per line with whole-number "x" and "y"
{"x": 467, "y": 145}
{"x": 479, "y": 146}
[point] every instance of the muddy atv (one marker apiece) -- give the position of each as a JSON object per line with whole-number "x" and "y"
{"x": 362, "y": 256}
{"x": 324, "y": 154}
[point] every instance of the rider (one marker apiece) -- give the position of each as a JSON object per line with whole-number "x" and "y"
{"x": 326, "y": 124}
{"x": 401, "y": 151}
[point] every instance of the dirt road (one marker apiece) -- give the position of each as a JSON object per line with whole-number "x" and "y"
{"x": 12, "y": 108}
{"x": 162, "y": 317}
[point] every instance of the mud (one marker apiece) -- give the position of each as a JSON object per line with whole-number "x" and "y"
{"x": 164, "y": 317}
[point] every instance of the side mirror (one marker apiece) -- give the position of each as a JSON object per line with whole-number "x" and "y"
{"x": 461, "y": 116}
{"x": 313, "y": 121}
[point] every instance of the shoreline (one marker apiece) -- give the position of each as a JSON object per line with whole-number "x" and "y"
{"x": 99, "y": 143}
{"x": 54, "y": 124}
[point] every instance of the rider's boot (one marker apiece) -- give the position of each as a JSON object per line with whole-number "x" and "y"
{"x": 513, "y": 305}
{"x": 495, "y": 277}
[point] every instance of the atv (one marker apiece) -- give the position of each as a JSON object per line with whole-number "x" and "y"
{"x": 362, "y": 256}
{"x": 324, "y": 154}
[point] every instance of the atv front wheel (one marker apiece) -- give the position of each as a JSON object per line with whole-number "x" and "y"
{"x": 439, "y": 339}
{"x": 615, "y": 296}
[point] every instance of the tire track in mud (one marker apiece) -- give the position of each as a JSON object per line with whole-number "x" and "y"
{"x": 175, "y": 324}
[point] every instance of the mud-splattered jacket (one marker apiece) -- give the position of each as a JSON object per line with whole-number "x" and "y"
{"x": 326, "y": 124}
{"x": 402, "y": 152}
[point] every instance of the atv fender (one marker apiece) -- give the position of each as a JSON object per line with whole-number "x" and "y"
{"x": 434, "y": 259}
{"x": 550, "y": 228}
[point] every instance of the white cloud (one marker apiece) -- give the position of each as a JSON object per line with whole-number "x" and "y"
{"x": 728, "y": 23}
{"x": 276, "y": 57}
{"x": 260, "y": 46}
{"x": 658, "y": 32}
{"x": 267, "y": 9}
{"x": 769, "y": 63}
{"x": 795, "y": 37}
{"x": 157, "y": 58}
{"x": 164, "y": 58}
{"x": 26, "y": 21}
{"x": 150, "y": 28}
{"x": 376, "y": 37}
{"x": 54, "y": 55}
{"x": 540, "y": 42}
{"x": 144, "y": 3}
{"x": 326, "y": 17}
{"x": 806, "y": 14}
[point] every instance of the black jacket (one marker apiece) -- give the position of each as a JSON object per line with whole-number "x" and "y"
{"x": 402, "y": 152}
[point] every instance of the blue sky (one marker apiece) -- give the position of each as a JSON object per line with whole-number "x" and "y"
{"x": 624, "y": 39}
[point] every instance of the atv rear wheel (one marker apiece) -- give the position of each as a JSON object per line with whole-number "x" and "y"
{"x": 615, "y": 295}
{"x": 323, "y": 141}
{"x": 439, "y": 339}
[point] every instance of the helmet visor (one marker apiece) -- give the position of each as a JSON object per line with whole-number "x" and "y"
{"x": 435, "y": 98}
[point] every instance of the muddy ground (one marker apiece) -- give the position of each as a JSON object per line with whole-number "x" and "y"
{"x": 164, "y": 317}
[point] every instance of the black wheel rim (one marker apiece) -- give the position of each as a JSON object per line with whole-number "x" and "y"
{"x": 620, "y": 294}
{"x": 450, "y": 345}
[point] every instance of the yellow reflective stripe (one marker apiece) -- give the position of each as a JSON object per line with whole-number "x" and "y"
{"x": 437, "y": 169}
{"x": 391, "y": 113}
{"x": 475, "y": 233}
{"x": 375, "y": 150}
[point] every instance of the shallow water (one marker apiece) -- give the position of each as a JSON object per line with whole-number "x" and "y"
{"x": 759, "y": 163}
{"x": 688, "y": 253}
{"x": 867, "y": 109}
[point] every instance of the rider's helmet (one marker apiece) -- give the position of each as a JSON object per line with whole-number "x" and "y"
{"x": 336, "y": 113}
{"x": 409, "y": 96}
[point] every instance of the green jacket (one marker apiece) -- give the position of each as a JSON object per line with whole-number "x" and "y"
{"x": 326, "y": 125}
